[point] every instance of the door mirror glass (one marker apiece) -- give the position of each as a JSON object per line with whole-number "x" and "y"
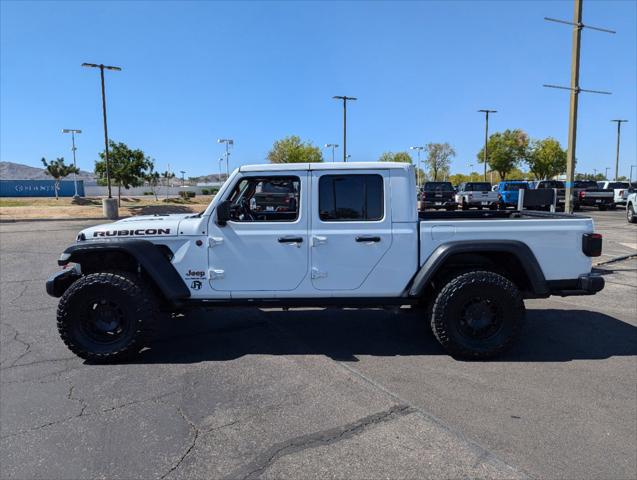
{"x": 223, "y": 213}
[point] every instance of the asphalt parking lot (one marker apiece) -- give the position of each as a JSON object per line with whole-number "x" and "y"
{"x": 247, "y": 393}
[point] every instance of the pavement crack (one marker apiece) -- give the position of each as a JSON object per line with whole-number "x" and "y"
{"x": 195, "y": 436}
{"x": 326, "y": 437}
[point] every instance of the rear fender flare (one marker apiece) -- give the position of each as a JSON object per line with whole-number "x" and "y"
{"x": 520, "y": 250}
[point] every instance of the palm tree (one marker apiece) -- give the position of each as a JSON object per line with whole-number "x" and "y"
{"x": 58, "y": 170}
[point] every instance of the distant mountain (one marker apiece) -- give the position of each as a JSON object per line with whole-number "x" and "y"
{"x": 17, "y": 171}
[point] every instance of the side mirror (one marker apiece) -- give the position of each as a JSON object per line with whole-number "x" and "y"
{"x": 223, "y": 213}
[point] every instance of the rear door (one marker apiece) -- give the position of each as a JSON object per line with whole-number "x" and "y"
{"x": 351, "y": 227}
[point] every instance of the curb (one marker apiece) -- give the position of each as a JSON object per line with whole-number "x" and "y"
{"x": 615, "y": 259}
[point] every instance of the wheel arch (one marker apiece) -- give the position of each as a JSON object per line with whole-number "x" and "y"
{"x": 130, "y": 255}
{"x": 509, "y": 257}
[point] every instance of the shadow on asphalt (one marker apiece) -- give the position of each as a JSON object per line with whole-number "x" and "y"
{"x": 548, "y": 336}
{"x": 159, "y": 209}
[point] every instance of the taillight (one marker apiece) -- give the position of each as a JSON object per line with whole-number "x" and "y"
{"x": 424, "y": 194}
{"x": 582, "y": 195}
{"x": 592, "y": 244}
{"x": 621, "y": 193}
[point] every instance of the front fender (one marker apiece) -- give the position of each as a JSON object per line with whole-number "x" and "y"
{"x": 147, "y": 256}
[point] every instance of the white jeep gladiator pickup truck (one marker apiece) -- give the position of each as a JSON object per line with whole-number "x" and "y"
{"x": 345, "y": 235}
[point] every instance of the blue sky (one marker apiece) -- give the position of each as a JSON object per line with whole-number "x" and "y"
{"x": 257, "y": 71}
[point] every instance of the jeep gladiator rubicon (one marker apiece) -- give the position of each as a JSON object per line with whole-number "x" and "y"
{"x": 351, "y": 236}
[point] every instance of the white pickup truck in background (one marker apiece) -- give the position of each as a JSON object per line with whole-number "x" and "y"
{"x": 620, "y": 191}
{"x": 345, "y": 235}
{"x": 476, "y": 194}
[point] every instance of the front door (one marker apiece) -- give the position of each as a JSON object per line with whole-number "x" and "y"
{"x": 264, "y": 247}
{"x": 351, "y": 227}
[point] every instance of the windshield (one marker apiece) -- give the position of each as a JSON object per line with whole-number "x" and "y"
{"x": 585, "y": 184}
{"x": 478, "y": 187}
{"x": 618, "y": 185}
{"x": 551, "y": 184}
{"x": 438, "y": 186}
{"x": 512, "y": 187}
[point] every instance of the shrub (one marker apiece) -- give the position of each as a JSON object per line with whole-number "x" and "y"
{"x": 186, "y": 194}
{"x": 205, "y": 191}
{"x": 148, "y": 193}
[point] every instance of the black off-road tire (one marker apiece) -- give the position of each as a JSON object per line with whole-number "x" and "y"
{"x": 449, "y": 312}
{"x": 612, "y": 206}
{"x": 630, "y": 214}
{"x": 126, "y": 297}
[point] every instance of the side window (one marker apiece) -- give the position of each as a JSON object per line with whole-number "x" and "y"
{"x": 351, "y": 198}
{"x": 265, "y": 199}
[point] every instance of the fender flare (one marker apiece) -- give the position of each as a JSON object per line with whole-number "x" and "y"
{"x": 147, "y": 255}
{"x": 519, "y": 249}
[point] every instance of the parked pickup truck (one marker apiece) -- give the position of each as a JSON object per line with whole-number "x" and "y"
{"x": 557, "y": 185}
{"x": 354, "y": 239}
{"x": 631, "y": 207}
{"x": 476, "y": 194}
{"x": 508, "y": 192}
{"x": 620, "y": 191}
{"x": 586, "y": 193}
{"x": 438, "y": 195}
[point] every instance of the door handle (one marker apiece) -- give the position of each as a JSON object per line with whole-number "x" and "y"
{"x": 290, "y": 239}
{"x": 368, "y": 239}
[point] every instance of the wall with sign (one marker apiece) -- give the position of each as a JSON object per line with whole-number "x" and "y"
{"x": 39, "y": 188}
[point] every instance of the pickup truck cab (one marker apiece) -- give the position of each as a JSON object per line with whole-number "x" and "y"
{"x": 350, "y": 236}
{"x": 476, "y": 194}
{"x": 508, "y": 192}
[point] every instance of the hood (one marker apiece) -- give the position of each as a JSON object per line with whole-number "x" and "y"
{"x": 144, "y": 226}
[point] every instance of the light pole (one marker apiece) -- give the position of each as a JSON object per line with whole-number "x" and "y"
{"x": 418, "y": 150}
{"x": 606, "y": 174}
{"x": 630, "y": 178}
{"x": 228, "y": 142}
{"x": 73, "y": 131}
{"x": 345, "y": 99}
{"x": 619, "y": 128}
{"x": 220, "y": 160}
{"x": 102, "y": 67}
{"x": 486, "y": 138}
{"x": 470, "y": 165}
{"x": 182, "y": 177}
{"x": 332, "y": 146}
{"x": 349, "y": 156}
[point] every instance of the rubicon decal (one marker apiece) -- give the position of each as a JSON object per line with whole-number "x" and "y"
{"x": 129, "y": 233}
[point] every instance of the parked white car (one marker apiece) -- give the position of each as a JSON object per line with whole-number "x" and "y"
{"x": 341, "y": 234}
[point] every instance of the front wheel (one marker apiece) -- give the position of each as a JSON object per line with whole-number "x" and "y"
{"x": 630, "y": 214}
{"x": 477, "y": 315}
{"x": 107, "y": 317}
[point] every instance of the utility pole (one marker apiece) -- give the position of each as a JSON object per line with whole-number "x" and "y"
{"x": 575, "y": 90}
{"x": 228, "y": 142}
{"x": 73, "y": 132}
{"x": 102, "y": 67}
{"x": 418, "y": 149}
{"x": 619, "y": 127}
{"x": 345, "y": 99}
{"x": 486, "y": 138}
{"x": 332, "y": 146}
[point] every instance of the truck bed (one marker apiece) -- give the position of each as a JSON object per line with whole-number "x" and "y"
{"x": 494, "y": 215}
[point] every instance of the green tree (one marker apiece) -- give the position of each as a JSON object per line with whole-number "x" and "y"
{"x": 402, "y": 157}
{"x": 546, "y": 158}
{"x": 127, "y": 167}
{"x": 438, "y": 159}
{"x": 505, "y": 151}
{"x": 292, "y": 150}
{"x": 152, "y": 178}
{"x": 58, "y": 170}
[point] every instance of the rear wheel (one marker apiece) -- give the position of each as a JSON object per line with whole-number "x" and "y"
{"x": 612, "y": 206}
{"x": 477, "y": 315}
{"x": 107, "y": 317}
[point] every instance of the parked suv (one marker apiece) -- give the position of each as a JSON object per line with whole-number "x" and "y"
{"x": 508, "y": 192}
